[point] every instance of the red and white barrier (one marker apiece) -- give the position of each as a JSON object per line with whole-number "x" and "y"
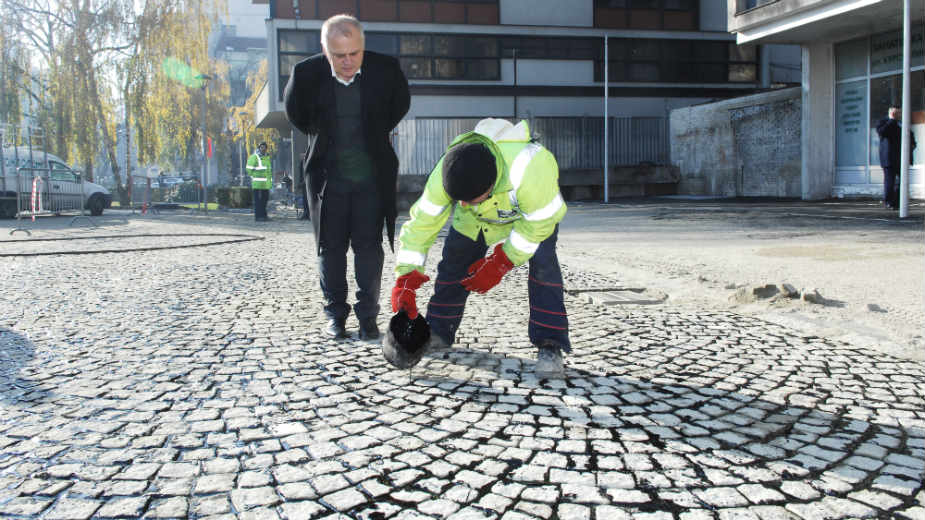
{"x": 36, "y": 196}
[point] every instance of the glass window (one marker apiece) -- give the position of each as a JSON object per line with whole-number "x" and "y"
{"x": 710, "y": 51}
{"x": 676, "y": 50}
{"x": 416, "y": 68}
{"x": 850, "y": 133}
{"x": 886, "y": 50}
{"x": 306, "y": 42}
{"x": 712, "y": 72}
{"x": 448, "y": 68}
{"x": 415, "y": 45}
{"x": 483, "y": 69}
{"x": 743, "y": 72}
{"x": 530, "y": 47}
{"x": 287, "y": 61}
{"x": 743, "y": 52}
{"x": 680, "y": 5}
{"x": 642, "y": 50}
{"x": 643, "y": 72}
{"x": 481, "y": 47}
{"x": 384, "y": 43}
{"x": 851, "y": 59}
{"x": 449, "y": 46}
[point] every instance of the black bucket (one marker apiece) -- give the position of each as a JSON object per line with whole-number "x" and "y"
{"x": 405, "y": 341}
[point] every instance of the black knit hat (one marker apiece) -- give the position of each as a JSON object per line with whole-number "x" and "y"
{"x": 469, "y": 171}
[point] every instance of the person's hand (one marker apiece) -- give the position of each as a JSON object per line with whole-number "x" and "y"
{"x": 488, "y": 272}
{"x": 403, "y": 294}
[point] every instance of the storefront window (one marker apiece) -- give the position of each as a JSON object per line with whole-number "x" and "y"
{"x": 851, "y": 99}
{"x": 886, "y": 50}
{"x": 851, "y": 59}
{"x": 886, "y": 91}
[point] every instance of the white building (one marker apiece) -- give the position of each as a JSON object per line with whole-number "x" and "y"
{"x": 851, "y": 73}
{"x": 535, "y": 59}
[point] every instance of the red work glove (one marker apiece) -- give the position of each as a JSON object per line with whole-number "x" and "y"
{"x": 403, "y": 296}
{"x": 487, "y": 272}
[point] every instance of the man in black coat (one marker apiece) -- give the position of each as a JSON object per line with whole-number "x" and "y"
{"x": 348, "y": 100}
{"x": 889, "y": 130}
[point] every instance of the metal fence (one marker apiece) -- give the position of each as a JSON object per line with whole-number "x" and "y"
{"x": 576, "y": 142}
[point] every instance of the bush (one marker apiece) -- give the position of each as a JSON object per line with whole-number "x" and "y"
{"x": 234, "y": 197}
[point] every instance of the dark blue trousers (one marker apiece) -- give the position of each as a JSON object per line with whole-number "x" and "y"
{"x": 890, "y": 192}
{"x": 351, "y": 219}
{"x": 548, "y": 319}
{"x": 260, "y": 203}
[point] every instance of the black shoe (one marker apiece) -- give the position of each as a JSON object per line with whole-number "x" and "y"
{"x": 336, "y": 328}
{"x": 369, "y": 329}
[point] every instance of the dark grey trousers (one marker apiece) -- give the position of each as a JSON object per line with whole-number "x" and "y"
{"x": 351, "y": 220}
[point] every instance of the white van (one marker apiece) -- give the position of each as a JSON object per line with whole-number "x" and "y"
{"x": 60, "y": 185}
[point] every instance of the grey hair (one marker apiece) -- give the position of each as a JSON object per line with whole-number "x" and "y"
{"x": 340, "y": 25}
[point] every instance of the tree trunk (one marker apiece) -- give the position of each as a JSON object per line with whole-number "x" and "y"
{"x": 108, "y": 141}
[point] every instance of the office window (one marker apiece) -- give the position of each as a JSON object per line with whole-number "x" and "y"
{"x": 382, "y": 43}
{"x": 294, "y": 46}
{"x": 851, "y": 59}
{"x": 678, "y": 61}
{"x": 415, "y": 44}
{"x": 417, "y": 68}
{"x": 552, "y": 48}
{"x": 677, "y": 15}
{"x": 473, "y": 12}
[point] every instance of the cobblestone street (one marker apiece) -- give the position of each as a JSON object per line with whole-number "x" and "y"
{"x": 186, "y": 381}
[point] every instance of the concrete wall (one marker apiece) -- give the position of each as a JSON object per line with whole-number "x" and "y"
{"x": 748, "y": 146}
{"x": 818, "y": 130}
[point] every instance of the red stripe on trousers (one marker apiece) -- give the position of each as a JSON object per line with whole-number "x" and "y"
{"x": 548, "y": 326}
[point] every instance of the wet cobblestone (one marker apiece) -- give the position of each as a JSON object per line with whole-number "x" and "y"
{"x": 196, "y": 383}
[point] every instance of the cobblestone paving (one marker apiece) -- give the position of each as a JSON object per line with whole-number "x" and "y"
{"x": 195, "y": 383}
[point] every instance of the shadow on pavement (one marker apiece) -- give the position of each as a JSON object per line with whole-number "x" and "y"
{"x": 16, "y": 351}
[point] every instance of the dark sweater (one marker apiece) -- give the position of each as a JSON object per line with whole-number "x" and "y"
{"x": 353, "y": 166}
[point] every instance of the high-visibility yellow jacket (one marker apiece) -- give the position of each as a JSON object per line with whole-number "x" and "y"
{"x": 524, "y": 207}
{"x": 261, "y": 171}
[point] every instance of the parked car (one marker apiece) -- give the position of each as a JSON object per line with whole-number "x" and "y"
{"x": 61, "y": 184}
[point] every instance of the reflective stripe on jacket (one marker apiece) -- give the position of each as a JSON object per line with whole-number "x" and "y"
{"x": 261, "y": 172}
{"x": 524, "y": 207}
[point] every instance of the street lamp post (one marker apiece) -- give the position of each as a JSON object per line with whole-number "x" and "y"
{"x": 204, "y": 193}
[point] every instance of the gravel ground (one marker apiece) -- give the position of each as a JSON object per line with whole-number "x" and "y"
{"x": 866, "y": 264}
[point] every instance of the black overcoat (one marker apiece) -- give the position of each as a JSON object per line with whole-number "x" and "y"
{"x": 890, "y": 136}
{"x": 311, "y": 107}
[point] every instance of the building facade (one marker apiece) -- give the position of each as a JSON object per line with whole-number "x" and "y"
{"x": 537, "y": 59}
{"x": 852, "y": 55}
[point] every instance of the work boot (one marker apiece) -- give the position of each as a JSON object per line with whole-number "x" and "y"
{"x": 336, "y": 327}
{"x": 549, "y": 362}
{"x": 369, "y": 329}
{"x": 436, "y": 344}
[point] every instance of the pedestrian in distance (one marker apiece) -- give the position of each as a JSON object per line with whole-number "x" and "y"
{"x": 890, "y": 131}
{"x": 503, "y": 191}
{"x": 260, "y": 169}
{"x": 347, "y": 100}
